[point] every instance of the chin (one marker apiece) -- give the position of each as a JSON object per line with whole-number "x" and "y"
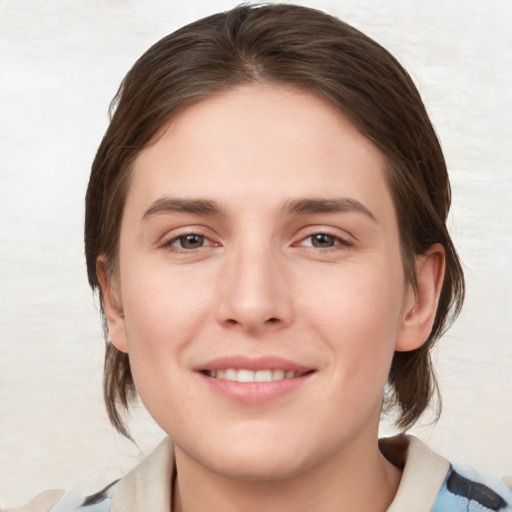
{"x": 259, "y": 468}
{"x": 255, "y": 459}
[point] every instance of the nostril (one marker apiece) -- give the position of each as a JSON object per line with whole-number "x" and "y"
{"x": 272, "y": 320}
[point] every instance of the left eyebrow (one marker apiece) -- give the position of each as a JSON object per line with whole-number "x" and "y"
{"x": 331, "y": 205}
{"x": 179, "y": 205}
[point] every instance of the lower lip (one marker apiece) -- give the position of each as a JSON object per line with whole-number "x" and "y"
{"x": 255, "y": 392}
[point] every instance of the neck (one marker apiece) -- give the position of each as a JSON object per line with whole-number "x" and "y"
{"x": 359, "y": 478}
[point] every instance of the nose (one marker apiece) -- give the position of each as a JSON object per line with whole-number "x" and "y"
{"x": 254, "y": 295}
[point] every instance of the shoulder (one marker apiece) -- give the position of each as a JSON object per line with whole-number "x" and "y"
{"x": 69, "y": 501}
{"x": 146, "y": 487}
{"x": 429, "y": 481}
{"x": 466, "y": 490}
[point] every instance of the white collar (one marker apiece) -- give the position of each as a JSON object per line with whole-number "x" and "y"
{"x": 148, "y": 486}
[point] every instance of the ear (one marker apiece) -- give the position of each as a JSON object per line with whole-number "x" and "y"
{"x": 112, "y": 305}
{"x": 422, "y": 300}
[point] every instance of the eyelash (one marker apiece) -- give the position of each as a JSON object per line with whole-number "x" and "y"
{"x": 336, "y": 239}
{"x": 181, "y": 238}
{"x": 170, "y": 243}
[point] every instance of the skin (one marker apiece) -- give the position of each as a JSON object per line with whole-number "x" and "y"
{"x": 324, "y": 289}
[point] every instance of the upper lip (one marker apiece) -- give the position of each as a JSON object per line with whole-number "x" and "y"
{"x": 252, "y": 363}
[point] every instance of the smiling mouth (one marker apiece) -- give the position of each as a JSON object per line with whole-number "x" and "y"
{"x": 244, "y": 375}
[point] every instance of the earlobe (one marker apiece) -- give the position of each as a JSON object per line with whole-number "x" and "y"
{"x": 422, "y": 300}
{"x": 112, "y": 305}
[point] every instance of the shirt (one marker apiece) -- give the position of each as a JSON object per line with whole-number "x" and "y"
{"x": 429, "y": 483}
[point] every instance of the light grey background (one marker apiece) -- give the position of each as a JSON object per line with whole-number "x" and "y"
{"x": 61, "y": 62}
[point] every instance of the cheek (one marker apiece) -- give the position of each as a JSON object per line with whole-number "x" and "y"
{"x": 362, "y": 297}
{"x": 158, "y": 299}
{"x": 358, "y": 311}
{"x": 161, "y": 321}
{"x": 163, "y": 314}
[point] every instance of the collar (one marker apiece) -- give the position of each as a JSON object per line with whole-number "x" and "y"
{"x": 148, "y": 486}
{"x": 424, "y": 473}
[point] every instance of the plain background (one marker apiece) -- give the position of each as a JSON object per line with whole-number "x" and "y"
{"x": 61, "y": 62}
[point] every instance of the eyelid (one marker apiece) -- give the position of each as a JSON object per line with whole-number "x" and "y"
{"x": 171, "y": 237}
{"x": 342, "y": 237}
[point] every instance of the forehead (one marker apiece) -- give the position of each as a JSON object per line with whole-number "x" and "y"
{"x": 260, "y": 141}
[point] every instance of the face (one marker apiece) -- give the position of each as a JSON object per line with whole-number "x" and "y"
{"x": 260, "y": 292}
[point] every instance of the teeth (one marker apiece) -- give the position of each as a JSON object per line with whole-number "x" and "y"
{"x": 244, "y": 375}
{"x": 230, "y": 374}
{"x": 278, "y": 374}
{"x": 263, "y": 376}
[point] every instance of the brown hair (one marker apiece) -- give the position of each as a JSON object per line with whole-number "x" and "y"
{"x": 315, "y": 52}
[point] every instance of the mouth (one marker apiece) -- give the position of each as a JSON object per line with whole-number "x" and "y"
{"x": 254, "y": 380}
{"x": 246, "y": 375}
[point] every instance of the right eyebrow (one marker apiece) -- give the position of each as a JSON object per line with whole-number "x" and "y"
{"x": 327, "y": 205}
{"x": 194, "y": 206}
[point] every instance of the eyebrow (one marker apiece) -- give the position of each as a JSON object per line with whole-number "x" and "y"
{"x": 194, "y": 206}
{"x": 302, "y": 206}
{"x": 332, "y": 205}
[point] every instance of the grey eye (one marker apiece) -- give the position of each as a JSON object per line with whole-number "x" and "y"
{"x": 190, "y": 241}
{"x": 323, "y": 240}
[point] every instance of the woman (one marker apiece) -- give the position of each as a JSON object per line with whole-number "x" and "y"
{"x": 266, "y": 226}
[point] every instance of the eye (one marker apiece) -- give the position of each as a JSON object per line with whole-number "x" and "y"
{"x": 188, "y": 242}
{"x": 323, "y": 241}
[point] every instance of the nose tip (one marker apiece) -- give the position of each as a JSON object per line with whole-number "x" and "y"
{"x": 254, "y": 296}
{"x": 255, "y": 317}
